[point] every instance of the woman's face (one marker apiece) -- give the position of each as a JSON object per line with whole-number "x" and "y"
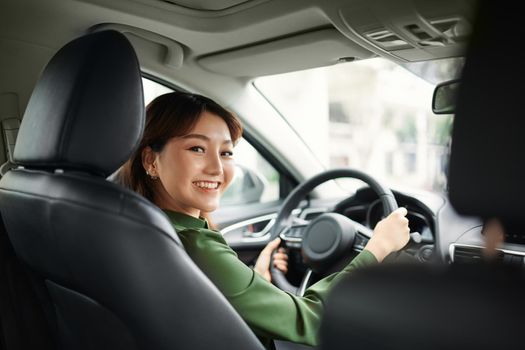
{"x": 193, "y": 170}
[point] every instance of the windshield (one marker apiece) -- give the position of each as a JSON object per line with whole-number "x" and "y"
{"x": 371, "y": 115}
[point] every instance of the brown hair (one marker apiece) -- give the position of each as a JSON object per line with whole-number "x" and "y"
{"x": 170, "y": 115}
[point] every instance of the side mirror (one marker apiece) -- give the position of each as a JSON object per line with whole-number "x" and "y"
{"x": 444, "y": 98}
{"x": 247, "y": 187}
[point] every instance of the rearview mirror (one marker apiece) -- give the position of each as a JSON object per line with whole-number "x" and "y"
{"x": 444, "y": 98}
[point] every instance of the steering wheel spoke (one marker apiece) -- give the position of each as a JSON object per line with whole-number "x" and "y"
{"x": 305, "y": 283}
{"x": 360, "y": 243}
{"x": 362, "y": 230}
{"x": 292, "y": 235}
{"x": 363, "y": 235}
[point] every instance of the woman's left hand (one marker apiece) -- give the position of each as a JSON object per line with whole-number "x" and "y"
{"x": 280, "y": 260}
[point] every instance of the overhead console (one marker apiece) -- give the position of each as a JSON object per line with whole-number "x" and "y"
{"x": 409, "y": 30}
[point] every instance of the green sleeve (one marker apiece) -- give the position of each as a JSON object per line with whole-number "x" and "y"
{"x": 270, "y": 312}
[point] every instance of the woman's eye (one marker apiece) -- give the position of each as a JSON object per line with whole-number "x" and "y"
{"x": 227, "y": 154}
{"x": 197, "y": 149}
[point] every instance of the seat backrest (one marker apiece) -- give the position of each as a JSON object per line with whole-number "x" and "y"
{"x": 399, "y": 307}
{"x": 26, "y": 318}
{"x": 475, "y": 306}
{"x": 115, "y": 270}
{"x": 22, "y": 319}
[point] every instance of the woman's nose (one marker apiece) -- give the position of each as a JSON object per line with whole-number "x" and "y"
{"x": 213, "y": 164}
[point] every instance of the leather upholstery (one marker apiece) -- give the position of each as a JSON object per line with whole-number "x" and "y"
{"x": 400, "y": 307}
{"x": 487, "y": 167}
{"x": 87, "y": 110}
{"x": 113, "y": 267}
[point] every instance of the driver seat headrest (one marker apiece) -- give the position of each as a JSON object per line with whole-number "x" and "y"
{"x": 86, "y": 112}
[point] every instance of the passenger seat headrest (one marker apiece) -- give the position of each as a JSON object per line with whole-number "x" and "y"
{"x": 87, "y": 110}
{"x": 487, "y": 164}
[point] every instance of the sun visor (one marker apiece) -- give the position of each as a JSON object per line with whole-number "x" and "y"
{"x": 307, "y": 50}
{"x": 208, "y": 5}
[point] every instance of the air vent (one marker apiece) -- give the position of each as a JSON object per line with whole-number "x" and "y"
{"x": 467, "y": 254}
{"x": 473, "y": 254}
{"x": 387, "y": 39}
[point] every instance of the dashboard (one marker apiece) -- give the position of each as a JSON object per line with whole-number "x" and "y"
{"x": 446, "y": 235}
{"x": 365, "y": 208}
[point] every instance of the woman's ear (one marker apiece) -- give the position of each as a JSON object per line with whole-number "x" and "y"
{"x": 149, "y": 158}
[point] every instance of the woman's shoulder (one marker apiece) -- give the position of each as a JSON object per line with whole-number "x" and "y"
{"x": 203, "y": 231}
{"x": 199, "y": 235}
{"x": 194, "y": 231}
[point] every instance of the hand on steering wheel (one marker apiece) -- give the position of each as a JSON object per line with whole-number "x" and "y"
{"x": 330, "y": 235}
{"x": 390, "y": 234}
{"x": 271, "y": 255}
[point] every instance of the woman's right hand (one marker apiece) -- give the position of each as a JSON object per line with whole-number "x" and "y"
{"x": 390, "y": 234}
{"x": 279, "y": 259}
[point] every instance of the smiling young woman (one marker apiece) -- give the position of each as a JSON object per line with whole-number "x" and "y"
{"x": 183, "y": 165}
{"x": 170, "y": 119}
{"x": 194, "y": 169}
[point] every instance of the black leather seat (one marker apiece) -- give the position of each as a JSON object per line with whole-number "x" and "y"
{"x": 113, "y": 267}
{"x": 475, "y": 306}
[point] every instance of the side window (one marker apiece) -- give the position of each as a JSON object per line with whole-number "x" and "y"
{"x": 153, "y": 89}
{"x": 255, "y": 180}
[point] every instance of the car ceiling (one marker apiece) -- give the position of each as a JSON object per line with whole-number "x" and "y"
{"x": 213, "y": 46}
{"x": 216, "y": 48}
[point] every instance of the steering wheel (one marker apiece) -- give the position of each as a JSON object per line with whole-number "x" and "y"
{"x": 328, "y": 236}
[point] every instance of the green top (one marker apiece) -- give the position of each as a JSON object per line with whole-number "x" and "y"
{"x": 268, "y": 311}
